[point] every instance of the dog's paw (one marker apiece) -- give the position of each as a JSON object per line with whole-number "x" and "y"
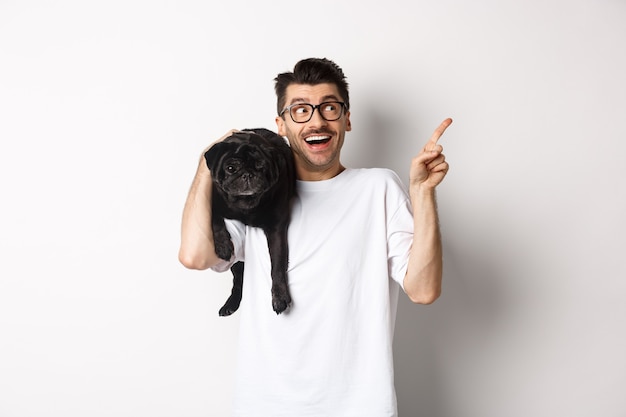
{"x": 224, "y": 249}
{"x": 231, "y": 305}
{"x": 281, "y": 300}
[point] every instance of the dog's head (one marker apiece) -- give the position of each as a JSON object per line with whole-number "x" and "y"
{"x": 243, "y": 168}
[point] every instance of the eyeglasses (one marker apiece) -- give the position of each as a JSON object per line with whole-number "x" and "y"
{"x": 303, "y": 112}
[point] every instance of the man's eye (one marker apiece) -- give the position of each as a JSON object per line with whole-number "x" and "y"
{"x": 301, "y": 109}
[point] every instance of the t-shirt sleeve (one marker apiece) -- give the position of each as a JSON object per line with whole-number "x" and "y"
{"x": 237, "y": 232}
{"x": 399, "y": 242}
{"x": 399, "y": 228}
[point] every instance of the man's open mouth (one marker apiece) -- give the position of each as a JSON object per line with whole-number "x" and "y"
{"x": 317, "y": 140}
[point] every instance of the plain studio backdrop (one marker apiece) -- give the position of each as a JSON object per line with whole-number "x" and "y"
{"x": 105, "y": 108}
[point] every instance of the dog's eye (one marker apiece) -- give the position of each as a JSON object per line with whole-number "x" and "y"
{"x": 231, "y": 166}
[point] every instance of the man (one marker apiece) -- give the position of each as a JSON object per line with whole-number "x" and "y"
{"x": 355, "y": 239}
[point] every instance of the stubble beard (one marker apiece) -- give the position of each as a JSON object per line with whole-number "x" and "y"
{"x": 310, "y": 160}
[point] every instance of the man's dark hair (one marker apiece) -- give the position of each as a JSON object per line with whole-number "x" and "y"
{"x": 312, "y": 71}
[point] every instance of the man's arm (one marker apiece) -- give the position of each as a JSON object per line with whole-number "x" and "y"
{"x": 422, "y": 281}
{"x": 196, "y": 244}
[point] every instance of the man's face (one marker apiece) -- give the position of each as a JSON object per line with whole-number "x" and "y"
{"x": 316, "y": 144}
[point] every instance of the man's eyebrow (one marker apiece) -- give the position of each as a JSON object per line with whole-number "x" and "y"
{"x": 330, "y": 97}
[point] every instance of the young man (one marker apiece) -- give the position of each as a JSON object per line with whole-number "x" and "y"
{"x": 355, "y": 238}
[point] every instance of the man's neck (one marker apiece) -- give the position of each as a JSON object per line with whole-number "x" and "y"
{"x": 319, "y": 175}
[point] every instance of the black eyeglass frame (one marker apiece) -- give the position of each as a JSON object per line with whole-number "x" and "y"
{"x": 313, "y": 106}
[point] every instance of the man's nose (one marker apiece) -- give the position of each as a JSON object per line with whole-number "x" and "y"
{"x": 317, "y": 119}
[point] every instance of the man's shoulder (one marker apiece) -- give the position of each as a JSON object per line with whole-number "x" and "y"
{"x": 377, "y": 175}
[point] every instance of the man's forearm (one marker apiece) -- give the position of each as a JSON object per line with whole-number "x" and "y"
{"x": 422, "y": 282}
{"x": 196, "y": 245}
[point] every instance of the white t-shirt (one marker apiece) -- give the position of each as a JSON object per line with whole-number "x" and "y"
{"x": 331, "y": 353}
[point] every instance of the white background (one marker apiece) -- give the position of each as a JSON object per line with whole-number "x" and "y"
{"x": 106, "y": 106}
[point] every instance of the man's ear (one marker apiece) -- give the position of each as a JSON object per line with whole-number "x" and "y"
{"x": 280, "y": 125}
{"x": 348, "y": 123}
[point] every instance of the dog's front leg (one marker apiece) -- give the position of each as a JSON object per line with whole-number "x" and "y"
{"x": 279, "y": 257}
{"x": 221, "y": 238}
{"x": 224, "y": 248}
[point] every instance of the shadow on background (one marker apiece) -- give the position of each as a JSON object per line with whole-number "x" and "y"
{"x": 434, "y": 339}
{"x": 427, "y": 337}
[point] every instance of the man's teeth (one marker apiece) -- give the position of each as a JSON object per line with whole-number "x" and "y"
{"x": 317, "y": 139}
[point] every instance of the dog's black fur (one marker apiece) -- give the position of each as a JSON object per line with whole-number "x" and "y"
{"x": 254, "y": 180}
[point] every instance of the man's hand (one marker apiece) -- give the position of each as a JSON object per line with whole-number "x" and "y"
{"x": 226, "y": 135}
{"x": 429, "y": 167}
{"x": 422, "y": 282}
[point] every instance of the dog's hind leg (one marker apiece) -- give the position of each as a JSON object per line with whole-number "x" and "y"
{"x": 232, "y": 304}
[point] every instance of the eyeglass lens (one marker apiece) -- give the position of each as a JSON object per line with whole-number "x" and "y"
{"x": 303, "y": 112}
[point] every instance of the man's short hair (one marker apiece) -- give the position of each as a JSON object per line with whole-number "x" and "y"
{"x": 312, "y": 71}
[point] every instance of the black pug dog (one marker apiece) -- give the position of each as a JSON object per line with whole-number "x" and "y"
{"x": 254, "y": 179}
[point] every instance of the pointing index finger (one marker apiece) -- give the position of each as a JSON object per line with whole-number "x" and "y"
{"x": 432, "y": 142}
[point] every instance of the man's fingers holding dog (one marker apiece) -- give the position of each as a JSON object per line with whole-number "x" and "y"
{"x": 226, "y": 135}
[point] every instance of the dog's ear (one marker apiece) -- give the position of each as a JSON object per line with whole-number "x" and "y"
{"x": 212, "y": 156}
